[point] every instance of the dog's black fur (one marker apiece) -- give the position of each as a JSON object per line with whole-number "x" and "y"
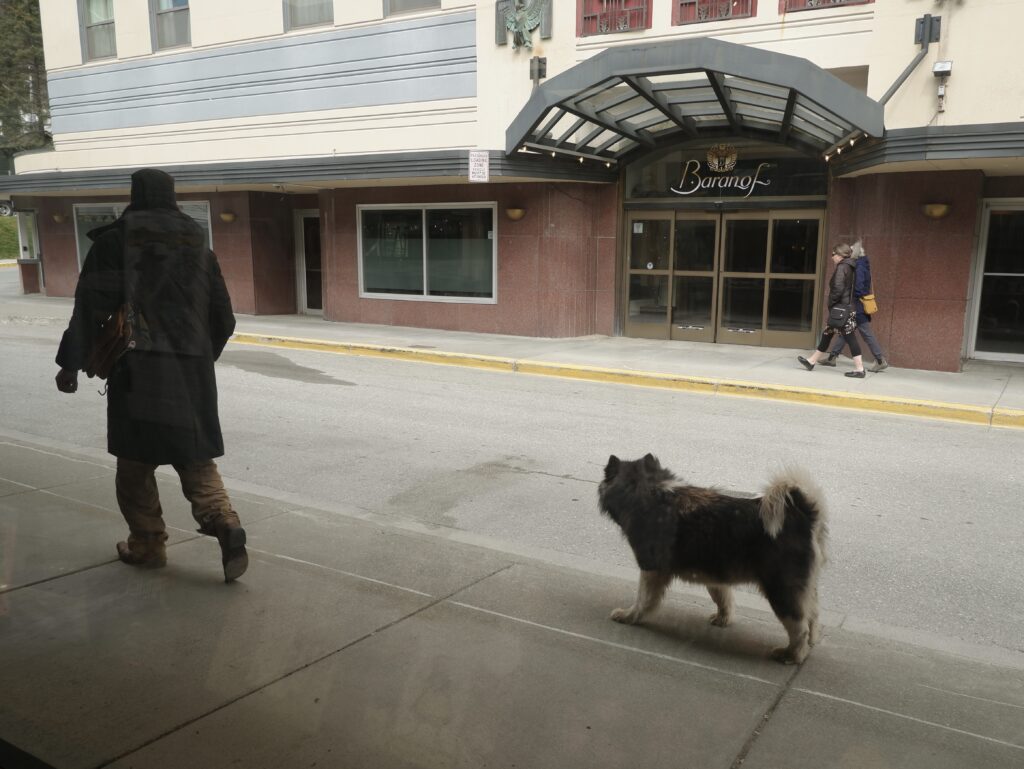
{"x": 776, "y": 541}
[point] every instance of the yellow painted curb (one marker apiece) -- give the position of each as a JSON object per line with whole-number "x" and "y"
{"x": 13, "y": 264}
{"x": 981, "y": 415}
{"x": 1007, "y": 417}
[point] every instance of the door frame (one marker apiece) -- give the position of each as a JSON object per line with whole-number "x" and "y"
{"x": 301, "y": 295}
{"x": 978, "y": 276}
{"x": 716, "y": 333}
{"x": 689, "y": 333}
{"x": 647, "y": 330}
{"x": 29, "y": 220}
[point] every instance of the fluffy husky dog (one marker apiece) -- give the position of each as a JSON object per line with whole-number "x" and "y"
{"x": 776, "y": 542}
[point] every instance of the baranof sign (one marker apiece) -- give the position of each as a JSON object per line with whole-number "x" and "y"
{"x": 692, "y": 181}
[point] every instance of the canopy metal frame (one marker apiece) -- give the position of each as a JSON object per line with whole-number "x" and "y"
{"x": 627, "y": 101}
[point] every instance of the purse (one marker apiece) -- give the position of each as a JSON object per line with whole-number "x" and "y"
{"x": 115, "y": 338}
{"x": 839, "y": 316}
{"x": 870, "y": 305}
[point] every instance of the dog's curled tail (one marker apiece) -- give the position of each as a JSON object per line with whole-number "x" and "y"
{"x": 795, "y": 489}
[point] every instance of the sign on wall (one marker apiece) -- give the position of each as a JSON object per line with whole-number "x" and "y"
{"x": 722, "y": 172}
{"x": 479, "y": 166}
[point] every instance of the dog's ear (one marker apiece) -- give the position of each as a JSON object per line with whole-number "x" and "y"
{"x": 612, "y": 468}
{"x": 651, "y": 463}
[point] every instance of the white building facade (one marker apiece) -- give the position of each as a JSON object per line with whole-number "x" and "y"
{"x": 671, "y": 169}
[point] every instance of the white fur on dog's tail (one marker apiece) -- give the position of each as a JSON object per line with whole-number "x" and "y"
{"x": 778, "y": 496}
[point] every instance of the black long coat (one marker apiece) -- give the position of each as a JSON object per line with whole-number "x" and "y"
{"x": 162, "y": 398}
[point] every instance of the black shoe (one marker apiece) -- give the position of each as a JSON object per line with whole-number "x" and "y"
{"x": 831, "y": 360}
{"x": 805, "y": 363}
{"x": 232, "y": 553}
{"x": 231, "y": 538}
{"x": 856, "y": 374}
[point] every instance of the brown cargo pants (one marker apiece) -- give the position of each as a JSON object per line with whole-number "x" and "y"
{"x": 139, "y": 500}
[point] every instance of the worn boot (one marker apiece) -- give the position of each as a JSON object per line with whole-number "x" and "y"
{"x": 231, "y": 538}
{"x": 831, "y": 360}
{"x": 880, "y": 365}
{"x": 144, "y": 550}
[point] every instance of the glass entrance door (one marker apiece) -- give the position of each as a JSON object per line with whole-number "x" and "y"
{"x": 737, "y": 278}
{"x": 308, "y": 262}
{"x": 999, "y": 286}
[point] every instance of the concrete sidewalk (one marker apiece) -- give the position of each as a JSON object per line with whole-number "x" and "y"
{"x": 356, "y": 641}
{"x": 987, "y": 394}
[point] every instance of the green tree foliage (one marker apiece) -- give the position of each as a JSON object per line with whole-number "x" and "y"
{"x": 24, "y": 104}
{"x": 8, "y": 237}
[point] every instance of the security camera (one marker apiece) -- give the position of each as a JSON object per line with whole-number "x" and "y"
{"x": 942, "y": 68}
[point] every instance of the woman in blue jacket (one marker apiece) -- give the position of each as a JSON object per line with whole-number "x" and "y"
{"x": 861, "y": 287}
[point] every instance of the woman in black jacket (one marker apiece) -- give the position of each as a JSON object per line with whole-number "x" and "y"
{"x": 840, "y": 292}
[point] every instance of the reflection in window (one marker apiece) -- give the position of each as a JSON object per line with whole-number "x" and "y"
{"x": 692, "y": 305}
{"x": 90, "y": 216}
{"x": 698, "y": 11}
{"x": 695, "y": 245}
{"x": 790, "y": 305}
{"x": 648, "y": 298}
{"x": 391, "y": 7}
{"x": 601, "y": 17}
{"x": 307, "y": 13}
{"x": 649, "y": 244}
{"x": 742, "y": 303}
{"x": 795, "y": 246}
{"x": 810, "y": 5}
{"x": 98, "y": 40}
{"x": 1001, "y": 309}
{"x": 746, "y": 245}
{"x": 170, "y": 23}
{"x": 432, "y": 252}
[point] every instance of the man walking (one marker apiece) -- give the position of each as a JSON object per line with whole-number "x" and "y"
{"x": 162, "y": 394}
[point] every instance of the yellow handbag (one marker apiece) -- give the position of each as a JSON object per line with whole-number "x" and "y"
{"x": 870, "y": 305}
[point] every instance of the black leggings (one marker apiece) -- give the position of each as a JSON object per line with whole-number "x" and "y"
{"x": 851, "y": 339}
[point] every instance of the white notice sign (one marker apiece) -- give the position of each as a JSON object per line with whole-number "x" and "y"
{"x": 479, "y": 166}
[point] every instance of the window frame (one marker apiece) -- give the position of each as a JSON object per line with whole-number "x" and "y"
{"x": 796, "y": 6}
{"x": 492, "y": 206}
{"x": 118, "y": 207}
{"x": 290, "y": 27}
{"x": 155, "y": 13}
{"x": 582, "y": 11}
{"x": 677, "y": 11}
{"x": 389, "y": 13}
{"x": 83, "y": 28}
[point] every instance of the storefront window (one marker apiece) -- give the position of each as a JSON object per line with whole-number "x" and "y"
{"x": 441, "y": 253}
{"x": 90, "y": 216}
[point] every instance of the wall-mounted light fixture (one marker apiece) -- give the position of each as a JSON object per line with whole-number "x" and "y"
{"x": 59, "y": 218}
{"x": 935, "y": 210}
{"x": 515, "y": 214}
{"x": 227, "y": 216}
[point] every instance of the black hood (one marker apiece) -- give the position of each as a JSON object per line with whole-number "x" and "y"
{"x": 152, "y": 188}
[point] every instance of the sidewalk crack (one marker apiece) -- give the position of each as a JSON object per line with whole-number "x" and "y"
{"x": 765, "y": 719}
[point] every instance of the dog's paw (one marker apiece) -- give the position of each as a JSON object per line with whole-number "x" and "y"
{"x": 720, "y": 620}
{"x": 787, "y": 657}
{"x": 625, "y": 616}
